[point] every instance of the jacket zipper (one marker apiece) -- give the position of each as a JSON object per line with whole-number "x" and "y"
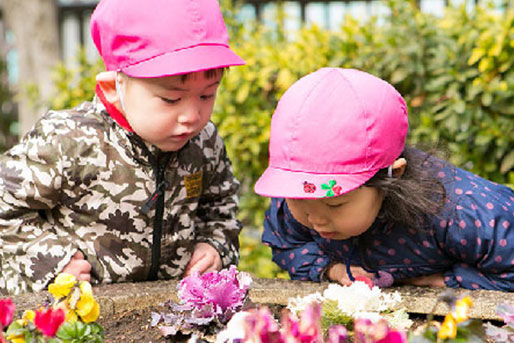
{"x": 156, "y": 199}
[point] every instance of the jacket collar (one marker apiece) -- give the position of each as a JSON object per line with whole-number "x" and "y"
{"x": 113, "y": 111}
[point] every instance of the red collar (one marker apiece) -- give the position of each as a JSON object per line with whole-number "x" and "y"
{"x": 113, "y": 111}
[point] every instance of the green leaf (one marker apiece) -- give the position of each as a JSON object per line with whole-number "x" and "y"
{"x": 470, "y": 331}
{"x": 332, "y": 315}
{"x": 507, "y": 162}
{"x": 487, "y": 99}
{"x": 482, "y": 139}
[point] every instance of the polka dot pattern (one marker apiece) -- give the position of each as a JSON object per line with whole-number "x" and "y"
{"x": 472, "y": 240}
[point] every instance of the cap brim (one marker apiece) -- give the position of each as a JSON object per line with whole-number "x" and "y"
{"x": 194, "y": 59}
{"x": 280, "y": 183}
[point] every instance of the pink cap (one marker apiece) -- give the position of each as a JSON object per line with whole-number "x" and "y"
{"x": 331, "y": 132}
{"x": 154, "y": 38}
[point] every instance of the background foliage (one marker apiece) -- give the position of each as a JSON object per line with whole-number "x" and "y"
{"x": 455, "y": 73}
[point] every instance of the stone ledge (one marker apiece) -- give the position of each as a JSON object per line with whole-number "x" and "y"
{"x": 123, "y": 297}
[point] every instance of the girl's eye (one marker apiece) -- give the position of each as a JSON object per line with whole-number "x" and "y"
{"x": 335, "y": 205}
{"x": 170, "y": 101}
{"x": 207, "y": 97}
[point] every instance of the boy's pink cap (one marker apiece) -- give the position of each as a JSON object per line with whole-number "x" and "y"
{"x": 331, "y": 132}
{"x": 154, "y": 38}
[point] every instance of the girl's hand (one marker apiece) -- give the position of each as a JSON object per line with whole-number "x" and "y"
{"x": 337, "y": 273}
{"x": 434, "y": 280}
{"x": 79, "y": 267}
{"x": 205, "y": 259}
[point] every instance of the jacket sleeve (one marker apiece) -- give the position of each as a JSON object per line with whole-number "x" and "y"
{"x": 217, "y": 222}
{"x": 480, "y": 240}
{"x": 292, "y": 244}
{"x": 33, "y": 246}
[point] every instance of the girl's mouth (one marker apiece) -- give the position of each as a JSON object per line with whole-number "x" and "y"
{"x": 327, "y": 235}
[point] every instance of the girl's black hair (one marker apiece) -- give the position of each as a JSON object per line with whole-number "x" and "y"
{"x": 410, "y": 198}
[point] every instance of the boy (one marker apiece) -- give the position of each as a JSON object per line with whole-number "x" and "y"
{"x": 135, "y": 185}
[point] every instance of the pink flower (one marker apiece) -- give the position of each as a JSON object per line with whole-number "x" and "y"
{"x": 337, "y": 334}
{"x": 367, "y": 331}
{"x": 393, "y": 337}
{"x": 224, "y": 290}
{"x": 48, "y": 321}
{"x": 307, "y": 329}
{"x": 7, "y": 308}
{"x": 262, "y": 327}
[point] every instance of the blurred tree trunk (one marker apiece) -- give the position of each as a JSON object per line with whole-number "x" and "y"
{"x": 35, "y": 28}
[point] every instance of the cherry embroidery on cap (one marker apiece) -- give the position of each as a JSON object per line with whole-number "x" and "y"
{"x": 332, "y": 188}
{"x": 309, "y": 187}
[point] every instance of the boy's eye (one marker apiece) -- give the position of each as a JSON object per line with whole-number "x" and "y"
{"x": 170, "y": 101}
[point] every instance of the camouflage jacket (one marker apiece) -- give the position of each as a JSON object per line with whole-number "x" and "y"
{"x": 78, "y": 181}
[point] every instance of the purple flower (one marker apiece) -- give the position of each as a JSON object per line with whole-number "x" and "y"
{"x": 383, "y": 280}
{"x": 225, "y": 290}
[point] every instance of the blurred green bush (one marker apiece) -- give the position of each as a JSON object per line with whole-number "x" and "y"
{"x": 455, "y": 73}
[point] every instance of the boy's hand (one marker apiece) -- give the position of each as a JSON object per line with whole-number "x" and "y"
{"x": 205, "y": 259}
{"x": 337, "y": 273}
{"x": 434, "y": 280}
{"x": 79, "y": 267}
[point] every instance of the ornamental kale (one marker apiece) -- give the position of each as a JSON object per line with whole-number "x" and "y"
{"x": 206, "y": 303}
{"x": 506, "y": 332}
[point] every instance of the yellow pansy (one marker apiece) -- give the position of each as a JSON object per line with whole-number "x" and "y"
{"x": 462, "y": 307}
{"x": 448, "y": 328}
{"x": 93, "y": 314}
{"x": 16, "y": 338}
{"x": 28, "y": 315}
{"x": 62, "y": 285}
{"x": 86, "y": 301}
{"x": 71, "y": 316}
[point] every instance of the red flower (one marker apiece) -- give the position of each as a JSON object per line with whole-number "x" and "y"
{"x": 7, "y": 308}
{"x": 49, "y": 321}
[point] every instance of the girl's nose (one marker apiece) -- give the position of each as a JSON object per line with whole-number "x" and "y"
{"x": 317, "y": 220}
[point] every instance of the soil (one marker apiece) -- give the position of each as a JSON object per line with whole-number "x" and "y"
{"x": 133, "y": 326}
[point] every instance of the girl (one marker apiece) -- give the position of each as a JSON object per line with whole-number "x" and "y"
{"x": 349, "y": 199}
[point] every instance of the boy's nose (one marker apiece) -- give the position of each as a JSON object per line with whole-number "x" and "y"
{"x": 189, "y": 116}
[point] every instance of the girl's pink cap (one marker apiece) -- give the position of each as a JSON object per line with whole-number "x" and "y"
{"x": 155, "y": 38}
{"x": 331, "y": 132}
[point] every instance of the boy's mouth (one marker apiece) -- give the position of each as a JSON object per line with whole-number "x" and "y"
{"x": 183, "y": 136}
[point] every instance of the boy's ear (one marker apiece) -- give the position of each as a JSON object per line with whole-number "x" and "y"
{"x": 107, "y": 82}
{"x": 399, "y": 167}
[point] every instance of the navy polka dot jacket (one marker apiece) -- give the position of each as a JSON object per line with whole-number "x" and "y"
{"x": 471, "y": 242}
